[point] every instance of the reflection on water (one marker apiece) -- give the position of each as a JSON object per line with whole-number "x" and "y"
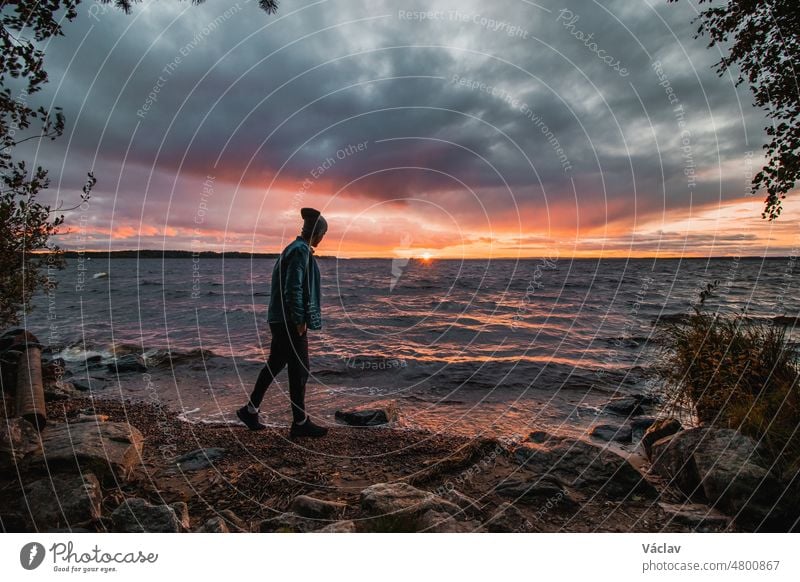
{"x": 465, "y": 345}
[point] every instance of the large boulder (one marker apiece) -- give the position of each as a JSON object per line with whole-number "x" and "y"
{"x": 137, "y": 515}
{"x": 399, "y": 507}
{"x": 657, "y": 431}
{"x": 64, "y": 500}
{"x": 538, "y": 490}
{"x": 18, "y": 438}
{"x": 584, "y": 466}
{"x": 729, "y": 471}
{"x": 110, "y": 450}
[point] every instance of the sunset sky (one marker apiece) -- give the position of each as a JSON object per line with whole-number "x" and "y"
{"x": 476, "y": 129}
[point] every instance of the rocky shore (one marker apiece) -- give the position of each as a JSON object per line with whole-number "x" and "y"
{"x": 122, "y": 466}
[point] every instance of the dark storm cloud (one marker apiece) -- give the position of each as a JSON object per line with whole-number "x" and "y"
{"x": 172, "y": 93}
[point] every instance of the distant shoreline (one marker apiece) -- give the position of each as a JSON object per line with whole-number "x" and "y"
{"x": 181, "y": 254}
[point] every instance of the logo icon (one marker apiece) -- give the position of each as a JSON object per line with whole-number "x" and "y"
{"x": 31, "y": 555}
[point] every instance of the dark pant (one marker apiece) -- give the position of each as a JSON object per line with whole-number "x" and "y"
{"x": 287, "y": 347}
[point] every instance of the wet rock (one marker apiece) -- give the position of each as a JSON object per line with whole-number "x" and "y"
{"x": 612, "y": 432}
{"x": 127, "y": 364}
{"x": 367, "y": 416}
{"x": 306, "y": 506}
{"x": 199, "y": 458}
{"x": 137, "y": 515}
{"x": 639, "y": 426}
{"x": 625, "y": 405}
{"x": 110, "y": 450}
{"x": 94, "y": 362}
{"x": 80, "y": 386}
{"x": 538, "y": 490}
{"x": 727, "y": 469}
{"x": 657, "y": 431}
{"x": 346, "y": 526}
{"x": 18, "y": 438}
{"x": 584, "y": 466}
{"x": 399, "y": 506}
{"x": 64, "y": 500}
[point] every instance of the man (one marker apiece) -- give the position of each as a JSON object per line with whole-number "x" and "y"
{"x": 294, "y": 308}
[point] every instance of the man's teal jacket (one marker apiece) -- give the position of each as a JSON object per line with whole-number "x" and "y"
{"x": 295, "y": 294}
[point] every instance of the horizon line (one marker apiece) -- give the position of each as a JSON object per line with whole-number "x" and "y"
{"x": 432, "y": 258}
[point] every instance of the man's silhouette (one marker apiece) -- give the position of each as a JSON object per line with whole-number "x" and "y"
{"x": 294, "y": 308}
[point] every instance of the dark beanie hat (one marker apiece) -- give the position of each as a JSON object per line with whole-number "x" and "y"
{"x": 313, "y": 222}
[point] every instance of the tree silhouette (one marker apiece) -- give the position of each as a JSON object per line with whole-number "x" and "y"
{"x": 27, "y": 227}
{"x": 764, "y": 38}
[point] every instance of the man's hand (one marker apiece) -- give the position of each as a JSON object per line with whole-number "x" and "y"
{"x": 301, "y": 328}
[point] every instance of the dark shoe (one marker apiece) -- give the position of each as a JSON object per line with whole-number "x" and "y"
{"x": 250, "y": 419}
{"x": 307, "y": 429}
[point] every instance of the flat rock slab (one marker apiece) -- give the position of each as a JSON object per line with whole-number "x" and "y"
{"x": 110, "y": 450}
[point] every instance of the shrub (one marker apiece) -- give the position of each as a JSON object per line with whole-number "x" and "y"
{"x": 734, "y": 372}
